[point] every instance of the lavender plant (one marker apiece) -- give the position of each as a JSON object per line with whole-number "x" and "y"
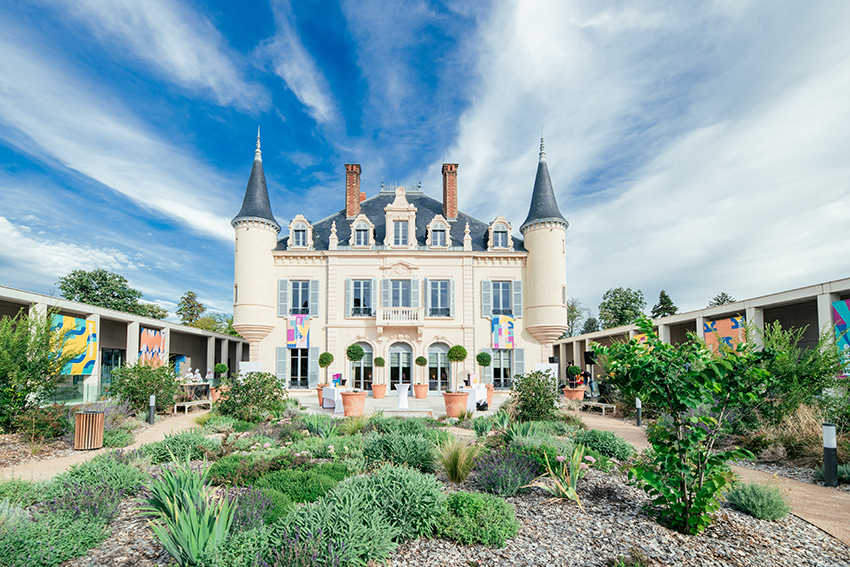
{"x": 505, "y": 473}
{"x": 311, "y": 550}
{"x": 97, "y": 503}
{"x": 252, "y": 506}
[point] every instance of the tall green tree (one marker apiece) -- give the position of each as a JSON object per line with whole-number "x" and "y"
{"x": 721, "y": 299}
{"x": 190, "y": 309}
{"x": 151, "y": 310}
{"x": 591, "y": 325}
{"x": 32, "y": 356}
{"x": 664, "y": 307}
{"x": 107, "y": 289}
{"x": 576, "y": 313}
{"x": 621, "y": 306}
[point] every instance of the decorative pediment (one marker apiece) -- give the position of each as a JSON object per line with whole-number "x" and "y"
{"x": 441, "y": 225}
{"x": 400, "y": 268}
{"x": 300, "y": 234}
{"x": 499, "y": 237}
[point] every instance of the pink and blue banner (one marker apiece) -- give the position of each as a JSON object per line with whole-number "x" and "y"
{"x": 298, "y": 331}
{"x": 503, "y": 332}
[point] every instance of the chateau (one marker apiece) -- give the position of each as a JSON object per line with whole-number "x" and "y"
{"x": 404, "y": 276}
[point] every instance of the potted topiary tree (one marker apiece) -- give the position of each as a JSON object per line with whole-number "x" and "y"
{"x": 325, "y": 360}
{"x": 420, "y": 391}
{"x": 455, "y": 401}
{"x": 484, "y": 359}
{"x": 354, "y": 401}
{"x": 221, "y": 369}
{"x": 575, "y": 389}
{"x": 379, "y": 391}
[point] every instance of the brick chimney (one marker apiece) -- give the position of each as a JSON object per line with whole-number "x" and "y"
{"x": 450, "y": 190}
{"x": 352, "y": 190}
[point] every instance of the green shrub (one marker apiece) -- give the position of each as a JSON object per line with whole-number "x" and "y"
{"x": 412, "y": 450}
{"x": 321, "y": 425}
{"x": 101, "y": 470}
{"x": 408, "y": 499}
{"x": 220, "y": 423}
{"x": 523, "y": 429}
{"x": 477, "y": 518}
{"x": 536, "y": 396}
{"x": 50, "y": 540}
{"x": 482, "y": 425}
{"x": 42, "y": 424}
{"x": 192, "y": 444}
{"x": 602, "y": 463}
{"x": 11, "y": 515}
{"x": 243, "y": 470}
{"x": 300, "y": 486}
{"x": 136, "y": 383}
{"x": 240, "y": 549}
{"x": 843, "y": 474}
{"x": 330, "y": 447}
{"x": 458, "y": 459}
{"x": 252, "y": 396}
{"x": 557, "y": 427}
{"x": 762, "y": 501}
{"x": 23, "y": 492}
{"x": 281, "y": 505}
{"x": 353, "y": 424}
{"x": 606, "y": 443}
{"x": 117, "y": 438}
{"x": 539, "y": 448}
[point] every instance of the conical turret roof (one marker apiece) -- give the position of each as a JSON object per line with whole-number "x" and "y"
{"x": 543, "y": 207}
{"x": 256, "y": 205}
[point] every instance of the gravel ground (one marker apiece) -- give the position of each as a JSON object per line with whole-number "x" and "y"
{"x": 787, "y": 470}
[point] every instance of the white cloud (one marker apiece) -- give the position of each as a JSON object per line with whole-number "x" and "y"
{"x": 53, "y": 116}
{"x": 692, "y": 151}
{"x": 177, "y": 41}
{"x": 294, "y": 64}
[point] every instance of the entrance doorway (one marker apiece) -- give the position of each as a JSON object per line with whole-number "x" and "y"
{"x": 401, "y": 357}
{"x": 439, "y": 369}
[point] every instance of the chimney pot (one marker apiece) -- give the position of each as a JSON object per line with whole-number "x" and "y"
{"x": 352, "y": 190}
{"x": 450, "y": 190}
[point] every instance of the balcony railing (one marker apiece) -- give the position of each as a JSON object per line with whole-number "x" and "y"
{"x": 299, "y": 310}
{"x": 502, "y": 312}
{"x": 399, "y": 317}
{"x": 362, "y": 312}
{"x": 439, "y": 312}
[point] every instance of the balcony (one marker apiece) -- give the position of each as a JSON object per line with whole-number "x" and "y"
{"x": 400, "y": 317}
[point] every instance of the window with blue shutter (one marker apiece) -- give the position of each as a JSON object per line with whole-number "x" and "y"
{"x": 517, "y": 306}
{"x": 314, "y": 298}
{"x": 282, "y": 298}
{"x": 486, "y": 298}
{"x": 281, "y": 364}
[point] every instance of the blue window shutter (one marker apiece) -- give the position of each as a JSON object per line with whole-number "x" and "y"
{"x": 517, "y": 306}
{"x": 282, "y": 355}
{"x": 313, "y": 367}
{"x": 314, "y": 298}
{"x": 414, "y": 293}
{"x": 488, "y": 370}
{"x": 486, "y": 298}
{"x": 519, "y": 361}
{"x": 385, "y": 293}
{"x": 452, "y": 298}
{"x": 282, "y": 298}
{"x": 426, "y": 295}
{"x": 374, "y": 297}
{"x": 348, "y": 296}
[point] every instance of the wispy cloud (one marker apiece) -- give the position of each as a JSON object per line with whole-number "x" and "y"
{"x": 177, "y": 41}
{"x": 294, "y": 64}
{"x": 52, "y": 116}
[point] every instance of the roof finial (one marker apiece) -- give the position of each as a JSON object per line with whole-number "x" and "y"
{"x": 257, "y": 152}
{"x": 542, "y": 150}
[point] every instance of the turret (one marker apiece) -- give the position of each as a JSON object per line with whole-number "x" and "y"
{"x": 544, "y": 232}
{"x": 256, "y": 235}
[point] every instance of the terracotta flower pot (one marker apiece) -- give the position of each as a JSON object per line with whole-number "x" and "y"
{"x": 574, "y": 393}
{"x": 215, "y": 393}
{"x": 353, "y": 402}
{"x": 455, "y": 403}
{"x": 379, "y": 391}
{"x": 489, "y": 394}
{"x": 420, "y": 391}
{"x": 319, "y": 391}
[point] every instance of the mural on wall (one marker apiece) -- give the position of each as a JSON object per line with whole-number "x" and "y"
{"x": 640, "y": 337}
{"x": 841, "y": 316}
{"x": 81, "y": 335}
{"x": 152, "y": 347}
{"x": 298, "y": 331}
{"x": 727, "y": 332}
{"x": 502, "y": 327}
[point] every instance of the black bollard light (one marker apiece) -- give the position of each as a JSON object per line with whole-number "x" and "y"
{"x": 830, "y": 455}
{"x": 637, "y": 405}
{"x": 152, "y": 410}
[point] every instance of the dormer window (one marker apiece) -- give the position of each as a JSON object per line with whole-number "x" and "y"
{"x": 500, "y": 237}
{"x": 400, "y": 233}
{"x": 438, "y": 237}
{"x": 361, "y": 235}
{"x": 438, "y": 233}
{"x": 300, "y": 234}
{"x": 400, "y": 223}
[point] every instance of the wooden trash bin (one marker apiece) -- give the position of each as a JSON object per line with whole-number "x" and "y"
{"x": 88, "y": 431}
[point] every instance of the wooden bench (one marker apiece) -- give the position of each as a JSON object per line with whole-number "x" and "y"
{"x": 187, "y": 405}
{"x": 601, "y": 405}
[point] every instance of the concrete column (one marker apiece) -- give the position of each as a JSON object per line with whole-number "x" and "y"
{"x": 210, "y": 362}
{"x": 222, "y": 356}
{"x": 825, "y": 310}
{"x": 238, "y": 354}
{"x": 755, "y": 316}
{"x": 167, "y": 354}
{"x": 664, "y": 333}
{"x": 133, "y": 332}
{"x": 577, "y": 356}
{"x": 701, "y": 327}
{"x": 91, "y": 383}
{"x": 39, "y": 308}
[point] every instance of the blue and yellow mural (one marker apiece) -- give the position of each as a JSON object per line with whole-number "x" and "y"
{"x": 79, "y": 335}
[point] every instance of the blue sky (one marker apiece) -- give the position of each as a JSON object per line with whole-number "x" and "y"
{"x": 693, "y": 149}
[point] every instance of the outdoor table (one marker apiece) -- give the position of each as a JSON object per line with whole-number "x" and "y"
{"x": 402, "y": 395}
{"x": 475, "y": 395}
{"x": 331, "y": 398}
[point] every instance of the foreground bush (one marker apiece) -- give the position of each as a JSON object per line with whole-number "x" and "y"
{"x": 536, "y": 396}
{"x": 49, "y": 540}
{"x": 605, "y": 442}
{"x": 299, "y": 486}
{"x": 190, "y": 445}
{"x": 412, "y": 450}
{"x": 477, "y": 518}
{"x": 540, "y": 448}
{"x": 762, "y": 501}
{"x": 252, "y": 396}
{"x": 458, "y": 459}
{"x": 105, "y": 469}
{"x": 136, "y": 383}
{"x": 505, "y": 473}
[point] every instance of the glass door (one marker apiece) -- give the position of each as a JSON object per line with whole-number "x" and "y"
{"x": 400, "y": 365}
{"x": 439, "y": 369}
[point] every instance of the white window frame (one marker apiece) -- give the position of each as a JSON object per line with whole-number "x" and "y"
{"x": 364, "y": 289}
{"x": 398, "y": 290}
{"x": 401, "y": 236}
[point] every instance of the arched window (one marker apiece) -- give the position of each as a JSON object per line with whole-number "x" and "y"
{"x": 361, "y": 371}
{"x": 438, "y": 235}
{"x": 500, "y": 236}
{"x": 401, "y": 369}
{"x": 439, "y": 369}
{"x": 361, "y": 234}
{"x": 300, "y": 235}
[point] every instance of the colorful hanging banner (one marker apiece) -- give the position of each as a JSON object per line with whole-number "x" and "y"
{"x": 841, "y": 316}
{"x": 727, "y": 332}
{"x": 298, "y": 331}
{"x": 79, "y": 335}
{"x": 152, "y": 346}
{"x": 503, "y": 331}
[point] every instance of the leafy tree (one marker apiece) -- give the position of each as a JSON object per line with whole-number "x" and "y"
{"x": 721, "y": 299}
{"x": 216, "y": 322}
{"x": 665, "y": 306}
{"x": 698, "y": 394}
{"x": 621, "y": 307}
{"x": 101, "y": 288}
{"x": 576, "y": 314}
{"x": 150, "y": 310}
{"x": 190, "y": 309}
{"x": 32, "y": 356}
{"x": 591, "y": 325}
{"x": 136, "y": 382}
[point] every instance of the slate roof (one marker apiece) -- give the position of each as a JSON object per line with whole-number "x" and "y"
{"x": 543, "y": 207}
{"x": 256, "y": 205}
{"x": 426, "y": 209}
